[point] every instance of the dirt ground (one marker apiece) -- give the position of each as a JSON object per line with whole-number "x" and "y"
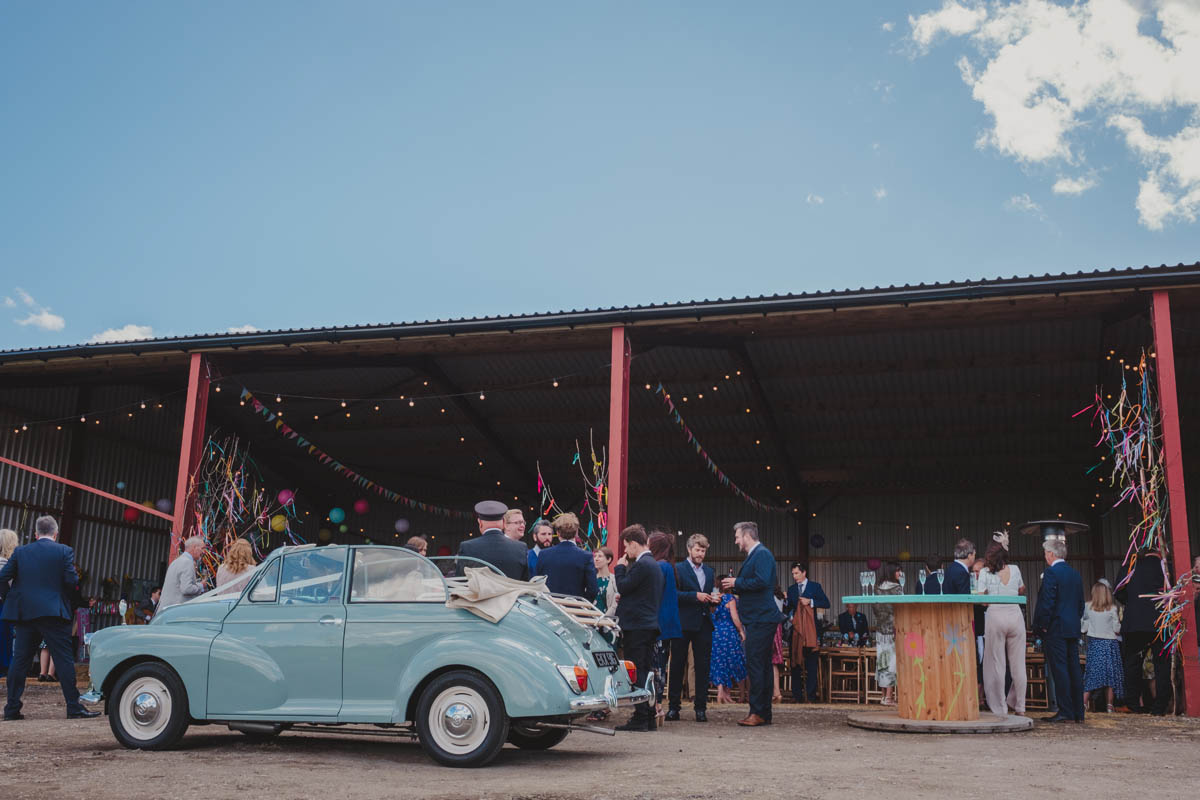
{"x": 809, "y": 752}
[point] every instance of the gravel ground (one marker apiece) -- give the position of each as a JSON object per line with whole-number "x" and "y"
{"x": 809, "y": 752}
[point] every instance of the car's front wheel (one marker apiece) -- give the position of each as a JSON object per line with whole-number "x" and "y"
{"x": 460, "y": 719}
{"x": 149, "y": 708}
{"x": 528, "y": 737}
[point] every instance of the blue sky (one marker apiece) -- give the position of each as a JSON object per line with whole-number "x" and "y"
{"x": 197, "y": 167}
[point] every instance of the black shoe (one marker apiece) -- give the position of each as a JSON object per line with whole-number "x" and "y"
{"x": 672, "y": 716}
{"x": 85, "y": 714}
{"x": 43, "y": 678}
{"x": 13, "y": 717}
{"x": 1157, "y": 713}
{"x": 634, "y": 725}
{"x": 701, "y": 716}
{"x": 1058, "y": 718}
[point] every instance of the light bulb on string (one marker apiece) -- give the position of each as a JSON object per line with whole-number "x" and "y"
{"x": 343, "y": 404}
{"x": 481, "y": 396}
{"x": 555, "y": 384}
{"x": 143, "y": 405}
{"x": 278, "y": 399}
{"x": 411, "y": 404}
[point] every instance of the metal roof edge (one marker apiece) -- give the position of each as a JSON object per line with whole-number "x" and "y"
{"x": 1080, "y": 282}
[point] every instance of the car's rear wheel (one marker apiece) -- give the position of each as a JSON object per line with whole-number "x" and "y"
{"x": 460, "y": 720}
{"x": 528, "y": 737}
{"x": 149, "y": 709}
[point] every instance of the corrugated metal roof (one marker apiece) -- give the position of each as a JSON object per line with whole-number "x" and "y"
{"x": 1131, "y": 277}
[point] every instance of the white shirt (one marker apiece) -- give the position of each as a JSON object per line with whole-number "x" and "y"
{"x": 645, "y": 554}
{"x": 1056, "y": 561}
{"x": 699, "y": 570}
{"x": 751, "y": 550}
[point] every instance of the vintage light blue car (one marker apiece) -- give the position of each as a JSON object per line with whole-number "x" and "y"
{"x": 323, "y": 638}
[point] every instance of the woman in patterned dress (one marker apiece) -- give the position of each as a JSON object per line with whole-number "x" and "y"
{"x": 728, "y": 665}
{"x": 1101, "y": 624}
{"x": 885, "y": 633}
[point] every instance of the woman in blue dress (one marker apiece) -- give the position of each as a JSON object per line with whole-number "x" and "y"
{"x": 728, "y": 665}
{"x": 662, "y": 547}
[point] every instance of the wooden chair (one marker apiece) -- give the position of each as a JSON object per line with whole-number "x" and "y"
{"x": 844, "y": 680}
{"x": 873, "y": 693}
{"x": 1036, "y": 698}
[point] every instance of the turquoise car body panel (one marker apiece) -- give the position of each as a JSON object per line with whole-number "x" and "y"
{"x": 338, "y": 660}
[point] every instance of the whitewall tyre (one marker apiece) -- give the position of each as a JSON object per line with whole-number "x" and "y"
{"x": 148, "y": 709}
{"x": 461, "y": 720}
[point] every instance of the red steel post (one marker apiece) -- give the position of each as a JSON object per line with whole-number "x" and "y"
{"x": 1181, "y": 553}
{"x": 192, "y": 446}
{"x": 618, "y": 438}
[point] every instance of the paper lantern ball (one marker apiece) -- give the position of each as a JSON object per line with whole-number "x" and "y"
{"x": 344, "y": 528}
{"x": 336, "y": 515}
{"x": 401, "y": 526}
{"x": 361, "y": 506}
{"x": 164, "y": 505}
{"x": 120, "y": 485}
{"x": 131, "y": 514}
{"x": 873, "y": 563}
{"x": 279, "y": 523}
{"x": 444, "y": 550}
{"x": 817, "y": 541}
{"x": 905, "y": 555}
{"x": 324, "y": 534}
{"x": 285, "y": 497}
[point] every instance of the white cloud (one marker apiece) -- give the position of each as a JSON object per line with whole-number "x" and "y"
{"x": 242, "y": 329}
{"x": 44, "y": 319}
{"x": 814, "y": 199}
{"x": 1074, "y": 186}
{"x": 875, "y": 146}
{"x": 952, "y": 18}
{"x": 1025, "y": 204}
{"x": 888, "y": 27}
{"x": 125, "y": 333}
{"x": 880, "y": 193}
{"x": 1046, "y": 73}
{"x": 39, "y": 316}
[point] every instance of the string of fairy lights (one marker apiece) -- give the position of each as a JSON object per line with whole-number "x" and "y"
{"x": 349, "y": 407}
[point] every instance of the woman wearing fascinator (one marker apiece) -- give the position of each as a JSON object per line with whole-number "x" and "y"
{"x": 1004, "y": 631}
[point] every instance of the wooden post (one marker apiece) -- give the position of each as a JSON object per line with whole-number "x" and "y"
{"x": 1181, "y": 552}
{"x": 618, "y": 438}
{"x": 75, "y": 456}
{"x": 191, "y": 447}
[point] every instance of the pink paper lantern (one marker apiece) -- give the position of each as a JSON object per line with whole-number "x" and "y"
{"x": 285, "y": 497}
{"x": 361, "y": 506}
{"x": 873, "y": 563}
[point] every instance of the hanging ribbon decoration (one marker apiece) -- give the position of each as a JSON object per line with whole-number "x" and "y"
{"x": 717, "y": 472}
{"x": 362, "y": 481}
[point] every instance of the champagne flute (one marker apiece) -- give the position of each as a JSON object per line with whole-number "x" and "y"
{"x": 941, "y": 576}
{"x": 921, "y": 581}
{"x": 902, "y": 581}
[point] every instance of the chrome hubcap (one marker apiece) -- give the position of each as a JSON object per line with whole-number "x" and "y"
{"x": 459, "y": 720}
{"x": 145, "y": 709}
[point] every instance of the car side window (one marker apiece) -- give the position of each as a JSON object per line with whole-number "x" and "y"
{"x": 394, "y": 575}
{"x": 267, "y": 587}
{"x": 313, "y": 576}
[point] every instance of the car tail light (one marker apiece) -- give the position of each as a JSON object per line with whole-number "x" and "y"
{"x": 632, "y": 670}
{"x": 576, "y": 677}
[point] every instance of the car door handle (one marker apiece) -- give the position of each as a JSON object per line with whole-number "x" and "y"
{"x": 330, "y": 620}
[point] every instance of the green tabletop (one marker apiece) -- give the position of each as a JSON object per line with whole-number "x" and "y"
{"x": 874, "y": 599}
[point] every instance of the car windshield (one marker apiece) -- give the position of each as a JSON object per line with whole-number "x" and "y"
{"x": 231, "y": 590}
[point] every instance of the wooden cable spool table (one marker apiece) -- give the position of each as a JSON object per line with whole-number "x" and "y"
{"x": 936, "y": 686}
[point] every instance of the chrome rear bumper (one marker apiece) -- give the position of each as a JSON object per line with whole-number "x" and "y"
{"x": 610, "y": 699}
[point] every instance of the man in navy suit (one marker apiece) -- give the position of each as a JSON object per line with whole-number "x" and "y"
{"x": 1059, "y": 610}
{"x": 957, "y": 576}
{"x": 755, "y": 587}
{"x": 808, "y": 593}
{"x": 568, "y": 568}
{"x": 640, "y": 584}
{"x": 42, "y": 577}
{"x": 694, "y": 587}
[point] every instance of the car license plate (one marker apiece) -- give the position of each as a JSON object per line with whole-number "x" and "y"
{"x": 606, "y": 658}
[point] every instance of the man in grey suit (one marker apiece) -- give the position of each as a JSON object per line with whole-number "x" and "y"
{"x": 509, "y": 556}
{"x": 181, "y": 583}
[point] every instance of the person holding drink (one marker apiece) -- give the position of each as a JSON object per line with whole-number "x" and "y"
{"x": 754, "y": 587}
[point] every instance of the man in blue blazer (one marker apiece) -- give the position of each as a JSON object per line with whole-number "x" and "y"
{"x": 35, "y": 586}
{"x": 1059, "y": 610}
{"x": 957, "y": 575}
{"x": 755, "y": 587}
{"x": 809, "y": 593}
{"x": 568, "y": 568}
{"x": 694, "y": 588}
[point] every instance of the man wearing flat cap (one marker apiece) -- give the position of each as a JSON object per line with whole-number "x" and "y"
{"x": 507, "y": 555}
